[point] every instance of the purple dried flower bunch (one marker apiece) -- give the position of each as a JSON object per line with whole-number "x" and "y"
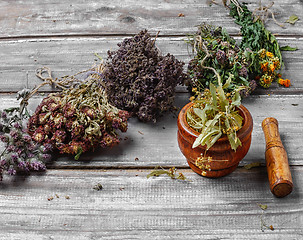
{"x": 78, "y": 119}
{"x": 140, "y": 80}
{"x": 20, "y": 153}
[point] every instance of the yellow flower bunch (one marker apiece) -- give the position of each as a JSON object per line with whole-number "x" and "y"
{"x": 265, "y": 80}
{"x": 269, "y": 64}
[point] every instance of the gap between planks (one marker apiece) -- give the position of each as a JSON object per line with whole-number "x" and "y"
{"x": 67, "y": 36}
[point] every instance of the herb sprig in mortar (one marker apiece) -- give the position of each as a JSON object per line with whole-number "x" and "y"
{"x": 213, "y": 114}
{"x": 214, "y": 111}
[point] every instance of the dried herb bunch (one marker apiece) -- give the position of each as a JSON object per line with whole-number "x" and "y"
{"x": 214, "y": 113}
{"x": 223, "y": 54}
{"x": 254, "y": 34}
{"x": 20, "y": 153}
{"x": 255, "y": 61}
{"x": 264, "y": 52}
{"x": 78, "y": 119}
{"x": 140, "y": 80}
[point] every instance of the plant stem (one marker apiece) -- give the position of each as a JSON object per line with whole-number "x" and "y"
{"x": 3, "y": 152}
{"x": 210, "y": 68}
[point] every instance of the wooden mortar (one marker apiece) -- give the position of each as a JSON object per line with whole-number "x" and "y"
{"x": 278, "y": 171}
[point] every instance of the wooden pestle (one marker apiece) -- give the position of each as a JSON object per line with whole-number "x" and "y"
{"x": 278, "y": 171}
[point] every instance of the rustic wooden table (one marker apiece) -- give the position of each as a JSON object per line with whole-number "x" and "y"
{"x": 64, "y": 35}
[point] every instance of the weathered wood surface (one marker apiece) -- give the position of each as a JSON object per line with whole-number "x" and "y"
{"x": 19, "y": 59}
{"x": 156, "y": 144}
{"x": 130, "y": 206}
{"x": 64, "y": 35}
{"x": 77, "y": 18}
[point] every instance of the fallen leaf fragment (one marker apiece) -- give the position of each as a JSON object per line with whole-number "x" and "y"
{"x": 292, "y": 19}
{"x": 263, "y": 206}
{"x": 252, "y": 165}
{"x": 170, "y": 172}
{"x": 288, "y": 48}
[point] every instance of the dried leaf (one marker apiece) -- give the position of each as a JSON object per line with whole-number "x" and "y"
{"x": 215, "y": 138}
{"x": 228, "y": 82}
{"x": 233, "y": 141}
{"x": 212, "y": 90}
{"x": 170, "y": 172}
{"x": 292, "y": 19}
{"x": 263, "y": 206}
{"x": 157, "y": 173}
{"x": 200, "y": 113}
{"x": 80, "y": 151}
{"x": 252, "y": 165}
{"x": 208, "y": 136}
{"x": 198, "y": 140}
{"x": 181, "y": 177}
{"x": 236, "y": 100}
{"x": 288, "y": 48}
{"x": 237, "y": 120}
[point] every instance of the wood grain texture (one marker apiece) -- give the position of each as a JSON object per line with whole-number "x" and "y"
{"x": 62, "y": 18}
{"x": 64, "y": 35}
{"x": 156, "y": 144}
{"x": 19, "y": 59}
{"x": 130, "y": 206}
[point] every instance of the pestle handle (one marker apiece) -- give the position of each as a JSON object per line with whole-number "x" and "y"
{"x": 278, "y": 171}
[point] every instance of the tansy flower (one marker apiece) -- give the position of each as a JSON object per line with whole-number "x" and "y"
{"x": 276, "y": 62}
{"x": 264, "y": 66}
{"x": 262, "y": 53}
{"x": 192, "y": 98}
{"x": 272, "y": 67}
{"x": 269, "y": 54}
{"x": 265, "y": 81}
{"x": 285, "y": 83}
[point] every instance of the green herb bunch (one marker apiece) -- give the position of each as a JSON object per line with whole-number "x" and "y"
{"x": 223, "y": 54}
{"x": 254, "y": 34}
{"x": 214, "y": 114}
{"x": 261, "y": 47}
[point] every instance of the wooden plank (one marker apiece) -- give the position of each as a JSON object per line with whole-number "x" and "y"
{"x": 61, "y": 18}
{"x": 19, "y": 59}
{"x": 156, "y": 144}
{"x": 130, "y": 206}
